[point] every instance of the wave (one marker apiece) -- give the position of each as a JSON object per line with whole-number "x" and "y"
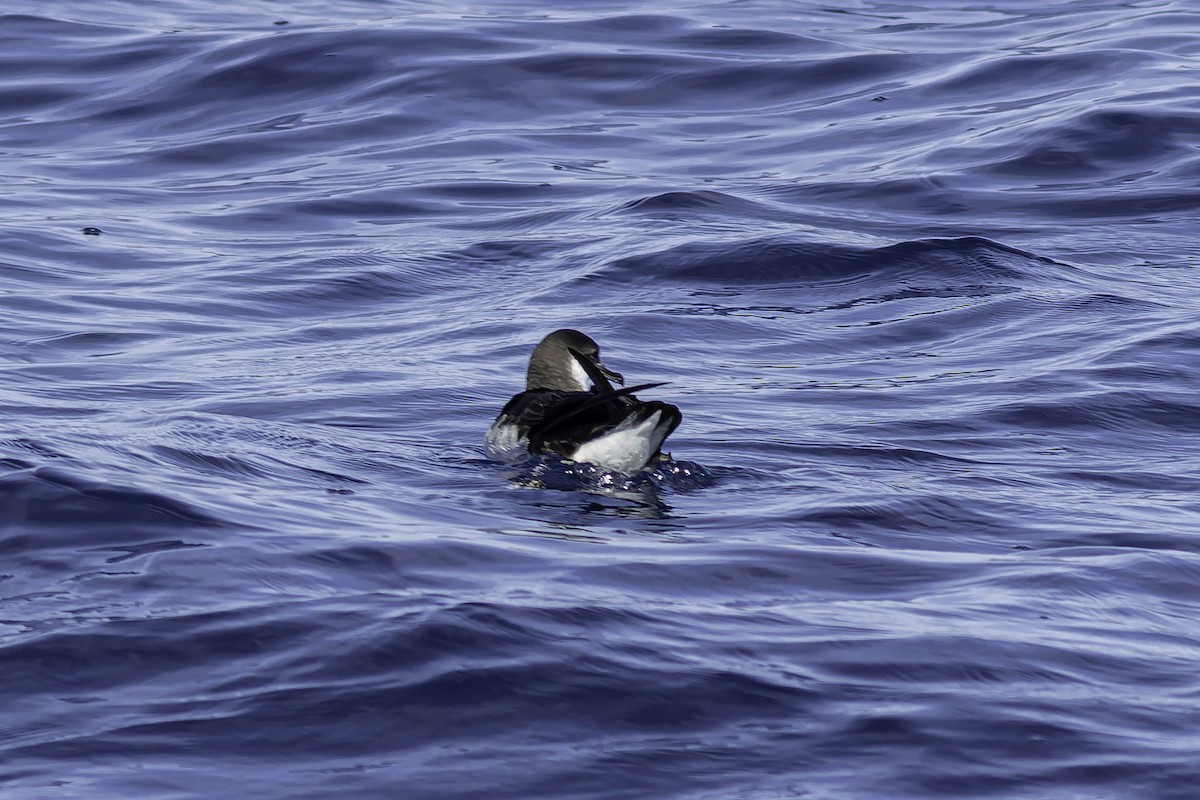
{"x": 784, "y": 260}
{"x": 920, "y": 281}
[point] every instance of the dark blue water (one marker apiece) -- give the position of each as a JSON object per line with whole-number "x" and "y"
{"x": 924, "y": 282}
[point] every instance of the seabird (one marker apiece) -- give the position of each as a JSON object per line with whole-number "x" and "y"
{"x": 558, "y": 414}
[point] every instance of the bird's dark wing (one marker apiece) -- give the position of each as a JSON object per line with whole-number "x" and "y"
{"x": 530, "y": 408}
{"x": 583, "y": 416}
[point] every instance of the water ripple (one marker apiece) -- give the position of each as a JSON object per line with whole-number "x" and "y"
{"x": 922, "y": 280}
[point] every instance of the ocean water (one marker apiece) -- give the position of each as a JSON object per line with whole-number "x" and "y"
{"x": 923, "y": 280}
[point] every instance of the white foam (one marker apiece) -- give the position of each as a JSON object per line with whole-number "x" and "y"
{"x": 504, "y": 442}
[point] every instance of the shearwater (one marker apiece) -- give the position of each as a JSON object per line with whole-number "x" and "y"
{"x": 570, "y": 409}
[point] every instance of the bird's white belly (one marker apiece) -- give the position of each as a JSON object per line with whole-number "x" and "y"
{"x": 626, "y": 448}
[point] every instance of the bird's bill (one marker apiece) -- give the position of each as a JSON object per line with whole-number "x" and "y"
{"x": 616, "y": 377}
